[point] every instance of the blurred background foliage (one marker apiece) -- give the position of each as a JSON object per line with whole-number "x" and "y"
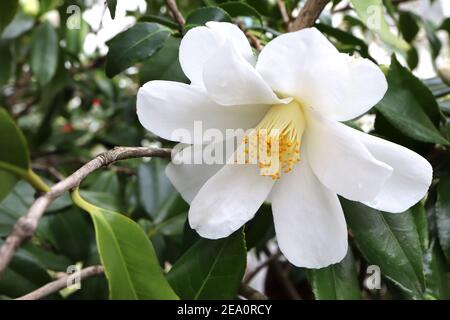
{"x": 69, "y": 73}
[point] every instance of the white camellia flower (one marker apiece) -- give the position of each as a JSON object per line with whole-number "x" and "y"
{"x": 300, "y": 87}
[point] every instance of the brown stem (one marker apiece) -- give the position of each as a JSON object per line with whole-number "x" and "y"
{"x": 61, "y": 283}
{"x": 284, "y": 14}
{"x": 263, "y": 265}
{"x": 309, "y": 14}
{"x": 250, "y": 293}
{"x": 26, "y": 226}
{"x": 173, "y": 8}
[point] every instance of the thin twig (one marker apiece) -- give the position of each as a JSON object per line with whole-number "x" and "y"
{"x": 263, "y": 265}
{"x": 284, "y": 15}
{"x": 61, "y": 283}
{"x": 254, "y": 41}
{"x": 173, "y": 8}
{"x": 250, "y": 293}
{"x": 26, "y": 226}
{"x": 309, "y": 14}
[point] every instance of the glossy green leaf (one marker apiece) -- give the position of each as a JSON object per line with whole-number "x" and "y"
{"x": 112, "y": 5}
{"x": 69, "y": 233}
{"x": 443, "y": 214}
{"x": 14, "y": 151}
{"x": 201, "y": 16}
{"x": 433, "y": 39}
{"x": 134, "y": 45}
{"x": 420, "y": 218}
{"x": 164, "y": 65}
{"x": 8, "y": 9}
{"x": 241, "y": 9}
{"x": 21, "y": 24}
{"x": 75, "y": 36}
{"x": 17, "y": 204}
{"x": 6, "y": 66}
{"x": 408, "y": 25}
{"x": 390, "y": 241}
{"x": 336, "y": 282}
{"x": 8, "y": 181}
{"x": 14, "y": 157}
{"x": 211, "y": 269}
{"x": 371, "y": 12}
{"x": 437, "y": 273}
{"x": 24, "y": 275}
{"x": 348, "y": 42}
{"x": 410, "y": 106}
{"x": 260, "y": 229}
{"x": 130, "y": 262}
{"x": 159, "y": 19}
{"x": 44, "y": 53}
{"x": 154, "y": 186}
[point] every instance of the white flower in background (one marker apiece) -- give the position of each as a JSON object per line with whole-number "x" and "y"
{"x": 302, "y": 87}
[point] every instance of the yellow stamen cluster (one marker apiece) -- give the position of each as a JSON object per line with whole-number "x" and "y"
{"x": 275, "y": 143}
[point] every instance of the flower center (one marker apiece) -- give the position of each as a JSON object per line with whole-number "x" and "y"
{"x": 275, "y": 142}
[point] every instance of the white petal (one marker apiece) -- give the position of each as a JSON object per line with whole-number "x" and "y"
{"x": 228, "y": 200}
{"x": 309, "y": 222}
{"x": 341, "y": 161}
{"x": 189, "y": 178}
{"x": 230, "y": 80}
{"x": 189, "y": 169}
{"x": 305, "y": 65}
{"x": 231, "y": 32}
{"x": 200, "y": 43}
{"x": 410, "y": 179}
{"x": 167, "y": 108}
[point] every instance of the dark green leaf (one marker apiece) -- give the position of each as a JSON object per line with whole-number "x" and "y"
{"x": 134, "y": 45}
{"x": 437, "y": 274}
{"x": 8, "y": 181}
{"x": 154, "y": 186}
{"x": 6, "y": 66}
{"x": 420, "y": 218}
{"x": 443, "y": 214}
{"x": 211, "y": 269}
{"x": 69, "y": 233}
{"x": 14, "y": 151}
{"x": 44, "y": 53}
{"x": 240, "y": 9}
{"x": 164, "y": 65}
{"x": 24, "y": 274}
{"x": 159, "y": 19}
{"x": 434, "y": 41}
{"x": 8, "y": 9}
{"x": 14, "y": 158}
{"x": 336, "y": 282}
{"x": 17, "y": 203}
{"x": 201, "y": 16}
{"x": 112, "y": 4}
{"x": 410, "y": 106}
{"x": 130, "y": 262}
{"x": 390, "y": 241}
{"x": 21, "y": 24}
{"x": 260, "y": 229}
{"x": 346, "y": 38}
{"x": 408, "y": 25}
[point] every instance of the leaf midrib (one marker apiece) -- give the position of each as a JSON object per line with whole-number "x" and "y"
{"x": 125, "y": 52}
{"x": 122, "y": 259}
{"x": 208, "y": 276}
